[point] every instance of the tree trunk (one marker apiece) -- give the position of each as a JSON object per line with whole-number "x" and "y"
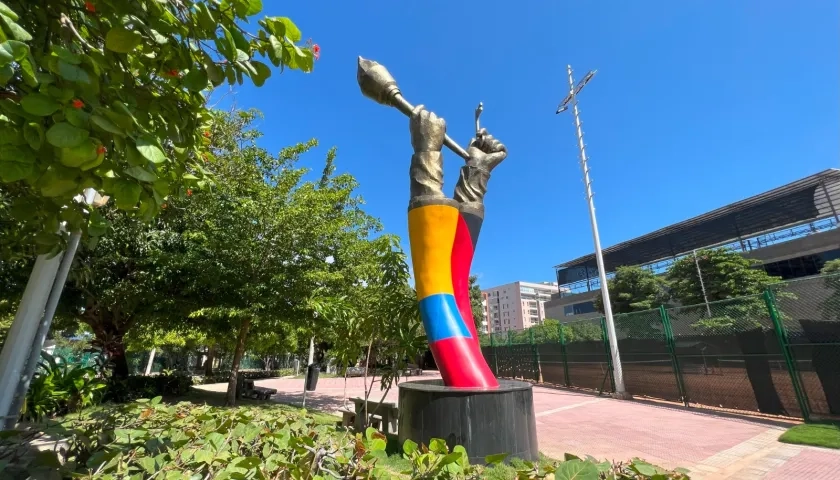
{"x": 116, "y": 354}
{"x": 208, "y": 364}
{"x": 230, "y": 401}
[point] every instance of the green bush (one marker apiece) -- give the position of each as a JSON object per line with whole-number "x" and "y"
{"x": 184, "y": 441}
{"x": 139, "y": 386}
{"x": 148, "y": 439}
{"x": 58, "y": 388}
{"x": 222, "y": 376}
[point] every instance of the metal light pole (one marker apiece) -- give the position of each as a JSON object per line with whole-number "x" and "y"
{"x": 618, "y": 374}
{"x": 702, "y": 285}
{"x": 22, "y": 350}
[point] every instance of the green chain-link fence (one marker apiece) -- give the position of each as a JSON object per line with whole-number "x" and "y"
{"x": 776, "y": 353}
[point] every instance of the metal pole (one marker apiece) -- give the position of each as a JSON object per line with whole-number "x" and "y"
{"x": 618, "y": 374}
{"x": 702, "y": 285}
{"x": 151, "y": 362}
{"x": 50, "y": 307}
{"x": 25, "y": 327}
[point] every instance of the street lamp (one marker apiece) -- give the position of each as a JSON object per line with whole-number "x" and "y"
{"x": 571, "y": 98}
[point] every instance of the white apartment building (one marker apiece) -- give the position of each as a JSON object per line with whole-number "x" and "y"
{"x": 516, "y": 306}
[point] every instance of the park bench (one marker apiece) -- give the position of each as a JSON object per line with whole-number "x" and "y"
{"x": 247, "y": 389}
{"x": 381, "y": 416}
{"x": 412, "y": 370}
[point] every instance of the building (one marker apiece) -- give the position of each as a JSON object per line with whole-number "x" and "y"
{"x": 516, "y": 305}
{"x": 791, "y": 229}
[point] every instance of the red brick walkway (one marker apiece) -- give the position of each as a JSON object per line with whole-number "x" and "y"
{"x": 713, "y": 446}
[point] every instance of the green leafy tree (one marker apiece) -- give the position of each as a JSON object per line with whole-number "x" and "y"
{"x": 726, "y": 275}
{"x": 830, "y": 307}
{"x": 378, "y": 320}
{"x": 476, "y": 300}
{"x": 109, "y": 94}
{"x": 634, "y": 289}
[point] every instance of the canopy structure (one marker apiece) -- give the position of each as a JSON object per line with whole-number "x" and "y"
{"x": 806, "y": 200}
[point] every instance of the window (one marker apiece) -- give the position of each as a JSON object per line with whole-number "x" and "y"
{"x": 578, "y": 308}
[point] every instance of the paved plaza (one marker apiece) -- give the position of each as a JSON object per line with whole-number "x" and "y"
{"x": 714, "y": 446}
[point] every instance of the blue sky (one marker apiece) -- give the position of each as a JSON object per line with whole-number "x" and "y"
{"x": 696, "y": 104}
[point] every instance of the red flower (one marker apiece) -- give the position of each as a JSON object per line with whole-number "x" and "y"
{"x": 189, "y": 192}
{"x": 78, "y": 103}
{"x": 90, "y": 7}
{"x": 101, "y": 150}
{"x": 207, "y": 133}
{"x": 173, "y": 73}
{"x": 316, "y": 51}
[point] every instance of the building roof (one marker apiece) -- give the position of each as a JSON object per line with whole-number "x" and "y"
{"x": 808, "y": 199}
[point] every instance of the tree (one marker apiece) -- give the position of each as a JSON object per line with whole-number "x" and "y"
{"x": 634, "y": 289}
{"x": 477, "y": 303}
{"x": 378, "y": 319}
{"x": 726, "y": 274}
{"x": 108, "y": 94}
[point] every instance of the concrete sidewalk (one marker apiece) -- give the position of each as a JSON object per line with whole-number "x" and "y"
{"x": 712, "y": 445}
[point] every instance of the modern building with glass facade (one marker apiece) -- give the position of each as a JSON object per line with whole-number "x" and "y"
{"x": 792, "y": 230}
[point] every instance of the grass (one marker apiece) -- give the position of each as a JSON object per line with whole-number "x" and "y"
{"x": 825, "y": 435}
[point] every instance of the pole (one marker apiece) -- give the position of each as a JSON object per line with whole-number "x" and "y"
{"x": 24, "y": 328}
{"x": 602, "y": 274}
{"x": 151, "y": 362}
{"x": 308, "y": 366}
{"x": 702, "y": 285}
{"x": 50, "y": 307}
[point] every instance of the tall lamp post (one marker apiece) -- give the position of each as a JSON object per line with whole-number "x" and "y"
{"x": 571, "y": 98}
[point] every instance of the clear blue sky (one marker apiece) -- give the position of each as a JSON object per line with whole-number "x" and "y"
{"x": 696, "y": 104}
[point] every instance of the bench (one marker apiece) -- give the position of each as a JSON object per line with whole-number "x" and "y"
{"x": 257, "y": 393}
{"x": 348, "y": 417}
{"x": 412, "y": 370}
{"x": 380, "y": 416}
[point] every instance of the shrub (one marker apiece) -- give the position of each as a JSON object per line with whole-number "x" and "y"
{"x": 58, "y": 388}
{"x": 222, "y": 376}
{"x": 146, "y": 439}
{"x": 184, "y": 441}
{"x": 134, "y": 387}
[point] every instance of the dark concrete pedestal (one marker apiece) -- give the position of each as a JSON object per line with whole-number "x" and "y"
{"x": 484, "y": 422}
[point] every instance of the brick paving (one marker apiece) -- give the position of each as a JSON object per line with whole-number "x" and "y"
{"x": 712, "y": 445}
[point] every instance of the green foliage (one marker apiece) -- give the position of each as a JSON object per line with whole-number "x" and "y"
{"x": 110, "y": 95}
{"x": 437, "y": 462}
{"x": 634, "y": 289}
{"x": 830, "y": 307}
{"x": 133, "y": 387}
{"x": 589, "y": 468}
{"x": 59, "y": 388}
{"x": 220, "y": 376}
{"x": 475, "y": 302}
{"x": 185, "y": 441}
{"x": 726, "y": 274}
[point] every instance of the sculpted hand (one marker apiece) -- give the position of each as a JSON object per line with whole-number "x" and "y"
{"x": 486, "y": 152}
{"x": 427, "y": 130}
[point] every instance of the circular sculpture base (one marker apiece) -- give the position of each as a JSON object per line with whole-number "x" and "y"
{"x": 484, "y": 422}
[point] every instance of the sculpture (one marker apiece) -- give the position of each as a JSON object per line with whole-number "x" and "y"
{"x": 443, "y": 232}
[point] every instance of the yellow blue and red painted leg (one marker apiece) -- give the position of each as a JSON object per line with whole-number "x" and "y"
{"x": 443, "y": 242}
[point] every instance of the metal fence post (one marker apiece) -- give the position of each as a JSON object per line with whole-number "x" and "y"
{"x": 672, "y": 349}
{"x": 781, "y": 335}
{"x": 563, "y": 356}
{"x": 609, "y": 352}
{"x": 495, "y": 355}
{"x": 536, "y": 355}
